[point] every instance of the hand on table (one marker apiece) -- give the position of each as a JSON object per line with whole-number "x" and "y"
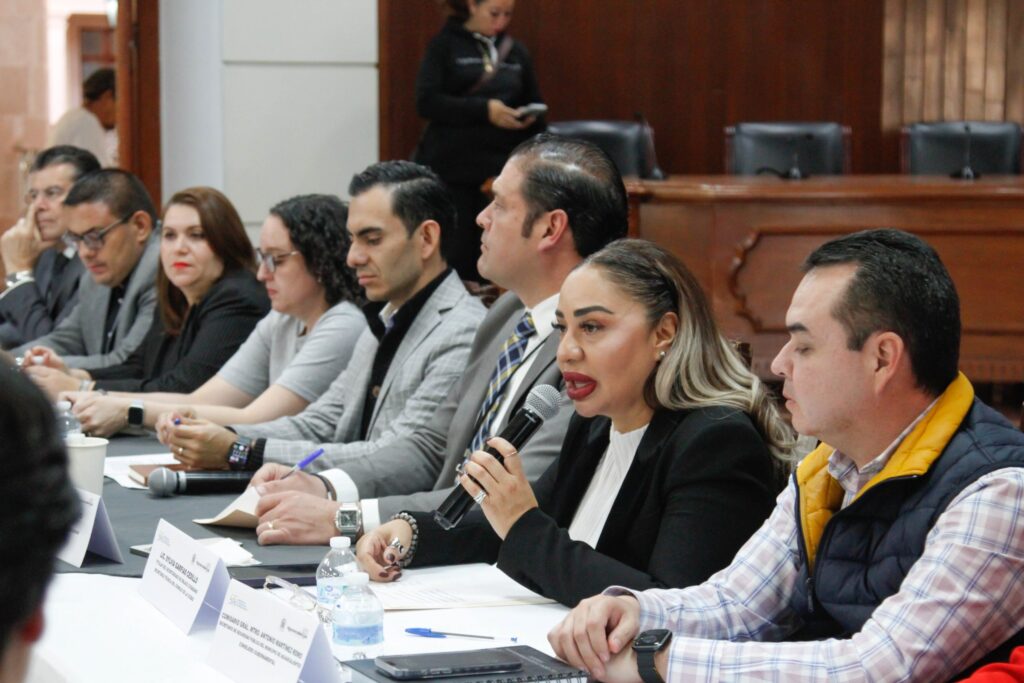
{"x": 42, "y": 356}
{"x": 509, "y": 494}
{"x": 377, "y": 556}
{"x": 197, "y": 443}
{"x": 294, "y": 518}
{"x": 597, "y": 636}
{"x": 52, "y": 381}
{"x": 100, "y": 415}
{"x": 270, "y": 479}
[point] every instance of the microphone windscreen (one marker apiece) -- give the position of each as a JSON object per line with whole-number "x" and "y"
{"x": 544, "y": 400}
{"x": 163, "y": 482}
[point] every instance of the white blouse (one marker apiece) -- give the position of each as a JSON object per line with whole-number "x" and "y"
{"x": 592, "y": 513}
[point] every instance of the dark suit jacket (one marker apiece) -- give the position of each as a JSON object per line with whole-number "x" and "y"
{"x": 213, "y": 331}
{"x": 700, "y": 485}
{"x": 33, "y": 309}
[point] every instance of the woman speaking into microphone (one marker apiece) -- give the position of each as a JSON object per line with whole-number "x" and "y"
{"x": 670, "y": 463}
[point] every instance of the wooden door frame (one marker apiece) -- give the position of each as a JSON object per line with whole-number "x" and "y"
{"x": 138, "y": 87}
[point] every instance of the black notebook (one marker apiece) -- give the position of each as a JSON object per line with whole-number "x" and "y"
{"x": 537, "y": 668}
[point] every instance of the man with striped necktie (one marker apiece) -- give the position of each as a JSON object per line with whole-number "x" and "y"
{"x": 555, "y": 202}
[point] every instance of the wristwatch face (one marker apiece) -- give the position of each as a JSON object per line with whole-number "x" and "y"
{"x": 136, "y": 414}
{"x": 348, "y": 519}
{"x": 653, "y": 640}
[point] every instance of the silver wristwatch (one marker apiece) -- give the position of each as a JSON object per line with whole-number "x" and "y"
{"x": 349, "y": 519}
{"x": 18, "y": 277}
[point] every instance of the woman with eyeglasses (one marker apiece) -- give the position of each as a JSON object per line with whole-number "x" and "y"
{"x": 667, "y": 467}
{"x": 208, "y": 301}
{"x": 294, "y": 352}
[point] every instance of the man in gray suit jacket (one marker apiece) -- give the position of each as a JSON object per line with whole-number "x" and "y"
{"x": 555, "y": 202}
{"x": 42, "y": 272}
{"x": 110, "y": 219}
{"x": 422, "y": 321}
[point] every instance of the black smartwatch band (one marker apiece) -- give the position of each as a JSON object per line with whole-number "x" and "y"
{"x": 645, "y": 665}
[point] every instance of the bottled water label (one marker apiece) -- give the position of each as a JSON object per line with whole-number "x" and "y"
{"x": 328, "y": 590}
{"x": 358, "y": 634}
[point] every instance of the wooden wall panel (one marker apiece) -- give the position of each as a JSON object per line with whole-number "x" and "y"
{"x": 953, "y": 60}
{"x": 691, "y": 68}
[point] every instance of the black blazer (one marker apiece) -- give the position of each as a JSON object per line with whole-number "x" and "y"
{"x": 34, "y": 308}
{"x": 213, "y": 331}
{"x": 701, "y": 483}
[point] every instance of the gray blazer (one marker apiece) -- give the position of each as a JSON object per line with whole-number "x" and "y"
{"x": 417, "y": 472}
{"x": 33, "y": 309}
{"x": 79, "y": 337}
{"x": 429, "y": 360}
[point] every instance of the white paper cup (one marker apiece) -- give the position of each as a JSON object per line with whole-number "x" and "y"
{"x": 85, "y": 462}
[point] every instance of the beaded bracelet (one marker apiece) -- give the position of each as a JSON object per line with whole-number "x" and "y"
{"x": 406, "y": 517}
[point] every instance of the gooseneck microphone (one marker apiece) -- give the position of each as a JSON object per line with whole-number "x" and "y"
{"x": 165, "y": 482}
{"x": 967, "y": 171}
{"x": 540, "y": 404}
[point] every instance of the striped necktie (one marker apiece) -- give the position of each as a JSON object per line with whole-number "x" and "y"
{"x": 509, "y": 359}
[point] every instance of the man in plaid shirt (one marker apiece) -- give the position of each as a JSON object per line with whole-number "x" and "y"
{"x": 897, "y": 551}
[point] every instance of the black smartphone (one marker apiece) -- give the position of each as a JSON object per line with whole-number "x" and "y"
{"x": 438, "y": 664}
{"x": 299, "y": 574}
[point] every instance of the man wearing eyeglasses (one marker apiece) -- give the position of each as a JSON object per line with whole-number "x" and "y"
{"x": 42, "y": 273}
{"x": 110, "y": 221}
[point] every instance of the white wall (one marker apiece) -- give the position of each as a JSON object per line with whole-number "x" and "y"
{"x": 267, "y": 99}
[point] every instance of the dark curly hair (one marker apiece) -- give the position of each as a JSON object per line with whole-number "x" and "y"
{"x": 38, "y": 505}
{"x": 316, "y": 226}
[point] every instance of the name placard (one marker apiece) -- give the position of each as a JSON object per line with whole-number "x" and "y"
{"x": 261, "y": 637}
{"x": 183, "y": 579}
{"x": 93, "y": 533}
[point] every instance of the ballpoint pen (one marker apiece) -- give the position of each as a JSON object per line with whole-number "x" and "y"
{"x": 301, "y": 465}
{"x": 431, "y": 633}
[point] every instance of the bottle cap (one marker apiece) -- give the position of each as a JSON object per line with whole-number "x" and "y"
{"x": 341, "y": 542}
{"x": 63, "y": 405}
{"x": 357, "y": 579}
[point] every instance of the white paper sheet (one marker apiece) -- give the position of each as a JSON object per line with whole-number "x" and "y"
{"x": 467, "y": 585}
{"x": 117, "y": 468}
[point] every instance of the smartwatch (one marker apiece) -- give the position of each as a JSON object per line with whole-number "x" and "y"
{"x": 136, "y": 413}
{"x": 349, "y": 519}
{"x": 646, "y": 645}
{"x": 238, "y": 457}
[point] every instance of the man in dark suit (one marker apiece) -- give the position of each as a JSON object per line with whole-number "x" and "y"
{"x": 111, "y": 221}
{"x": 555, "y": 202}
{"x": 42, "y": 271}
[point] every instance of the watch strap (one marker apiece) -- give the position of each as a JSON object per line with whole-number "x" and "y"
{"x": 645, "y": 665}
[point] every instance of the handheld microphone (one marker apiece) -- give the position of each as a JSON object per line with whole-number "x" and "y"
{"x": 165, "y": 482}
{"x": 540, "y": 404}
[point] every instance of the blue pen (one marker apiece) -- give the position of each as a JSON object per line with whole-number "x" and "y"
{"x": 304, "y": 462}
{"x": 431, "y": 633}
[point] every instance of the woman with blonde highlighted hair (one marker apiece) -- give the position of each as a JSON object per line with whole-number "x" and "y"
{"x": 668, "y": 466}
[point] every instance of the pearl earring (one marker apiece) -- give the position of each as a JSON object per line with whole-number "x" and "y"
{"x": 661, "y": 355}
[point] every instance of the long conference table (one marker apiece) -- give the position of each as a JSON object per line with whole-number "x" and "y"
{"x": 98, "y": 627}
{"x": 745, "y": 237}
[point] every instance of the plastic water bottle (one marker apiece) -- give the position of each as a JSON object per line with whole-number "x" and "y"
{"x": 358, "y": 619}
{"x": 330, "y": 575}
{"x": 67, "y": 423}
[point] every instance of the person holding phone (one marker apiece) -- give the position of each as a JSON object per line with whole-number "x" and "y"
{"x": 474, "y": 87}
{"x": 665, "y": 469}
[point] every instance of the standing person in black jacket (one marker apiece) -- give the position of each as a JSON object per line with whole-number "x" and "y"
{"x": 665, "y": 470}
{"x": 472, "y": 83}
{"x": 208, "y": 302}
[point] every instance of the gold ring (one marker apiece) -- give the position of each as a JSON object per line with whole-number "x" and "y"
{"x": 181, "y": 450}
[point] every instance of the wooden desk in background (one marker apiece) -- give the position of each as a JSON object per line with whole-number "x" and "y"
{"x": 744, "y": 238}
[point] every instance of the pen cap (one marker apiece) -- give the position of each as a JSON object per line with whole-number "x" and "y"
{"x": 341, "y": 542}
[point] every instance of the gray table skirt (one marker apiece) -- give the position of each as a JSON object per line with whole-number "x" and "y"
{"x": 134, "y": 515}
